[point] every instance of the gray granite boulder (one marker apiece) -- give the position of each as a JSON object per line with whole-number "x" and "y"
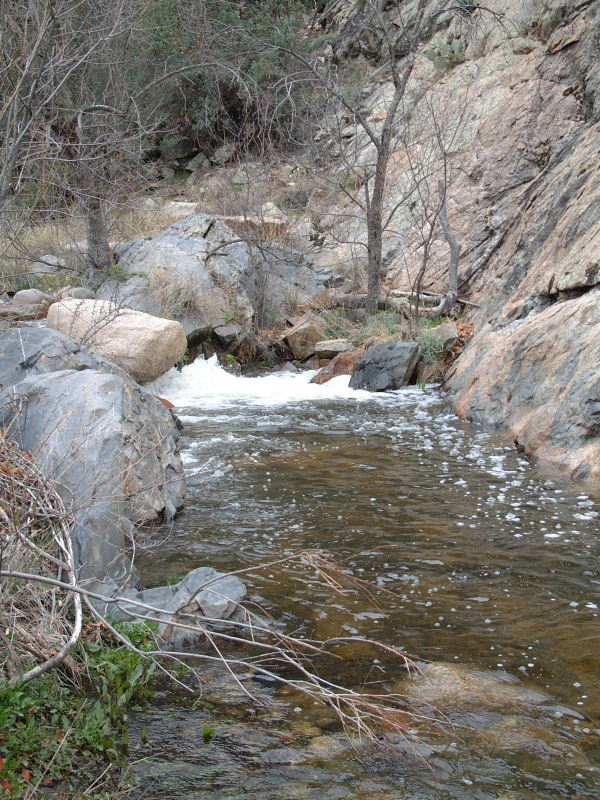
{"x": 110, "y": 445}
{"x": 78, "y": 292}
{"x": 40, "y": 351}
{"x": 202, "y": 273}
{"x": 191, "y": 272}
{"x": 204, "y": 596}
{"x": 27, "y": 297}
{"x": 386, "y": 366}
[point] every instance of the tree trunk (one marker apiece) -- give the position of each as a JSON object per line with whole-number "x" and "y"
{"x": 452, "y": 295}
{"x": 98, "y": 250}
{"x": 375, "y": 232}
{"x": 358, "y": 300}
{"x": 452, "y": 243}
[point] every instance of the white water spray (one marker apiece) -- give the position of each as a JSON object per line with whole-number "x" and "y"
{"x": 205, "y": 384}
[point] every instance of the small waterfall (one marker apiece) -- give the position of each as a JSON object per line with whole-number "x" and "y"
{"x": 205, "y": 384}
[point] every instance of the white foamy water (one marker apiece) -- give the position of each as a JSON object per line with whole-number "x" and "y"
{"x": 205, "y": 384}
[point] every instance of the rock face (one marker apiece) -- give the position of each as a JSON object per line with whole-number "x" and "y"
{"x": 386, "y": 366}
{"x": 200, "y": 272}
{"x": 111, "y": 445}
{"x": 539, "y": 377}
{"x": 523, "y": 203}
{"x": 145, "y": 346}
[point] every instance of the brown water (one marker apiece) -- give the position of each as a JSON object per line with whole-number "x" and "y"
{"x": 494, "y": 569}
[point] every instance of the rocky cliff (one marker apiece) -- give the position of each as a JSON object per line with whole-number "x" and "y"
{"x": 515, "y": 93}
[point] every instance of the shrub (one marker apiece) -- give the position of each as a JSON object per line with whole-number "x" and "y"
{"x": 431, "y": 346}
{"x": 446, "y": 56}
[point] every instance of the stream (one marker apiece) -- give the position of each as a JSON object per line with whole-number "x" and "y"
{"x": 493, "y": 579}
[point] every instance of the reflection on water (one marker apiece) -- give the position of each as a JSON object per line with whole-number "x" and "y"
{"x": 491, "y": 566}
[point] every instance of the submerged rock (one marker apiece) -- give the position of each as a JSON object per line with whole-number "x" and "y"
{"x": 519, "y": 735}
{"x": 448, "y": 685}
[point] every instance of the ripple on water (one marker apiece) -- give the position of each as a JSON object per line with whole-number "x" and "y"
{"x": 486, "y": 563}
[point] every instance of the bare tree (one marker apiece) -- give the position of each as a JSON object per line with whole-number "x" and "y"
{"x": 76, "y": 116}
{"x": 366, "y": 145}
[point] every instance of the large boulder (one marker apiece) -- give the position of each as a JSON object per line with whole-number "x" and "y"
{"x": 386, "y": 366}
{"x": 282, "y": 278}
{"x": 209, "y": 277}
{"x": 113, "y": 449}
{"x": 145, "y": 346}
{"x": 40, "y": 351}
{"x": 192, "y": 272}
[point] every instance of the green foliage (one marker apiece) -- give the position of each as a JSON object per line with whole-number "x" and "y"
{"x": 384, "y": 325}
{"x": 207, "y": 733}
{"x": 431, "y": 346}
{"x": 50, "y": 727}
{"x": 446, "y": 56}
{"x": 232, "y": 92}
{"x": 433, "y": 323}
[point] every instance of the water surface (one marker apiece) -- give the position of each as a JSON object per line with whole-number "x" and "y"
{"x": 492, "y": 568}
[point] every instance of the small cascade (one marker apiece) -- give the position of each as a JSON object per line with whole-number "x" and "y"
{"x": 205, "y": 384}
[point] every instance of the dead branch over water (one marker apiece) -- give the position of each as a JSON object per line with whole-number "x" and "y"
{"x": 42, "y": 603}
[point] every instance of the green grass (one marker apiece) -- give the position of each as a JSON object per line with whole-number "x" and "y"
{"x": 341, "y": 324}
{"x": 56, "y": 726}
